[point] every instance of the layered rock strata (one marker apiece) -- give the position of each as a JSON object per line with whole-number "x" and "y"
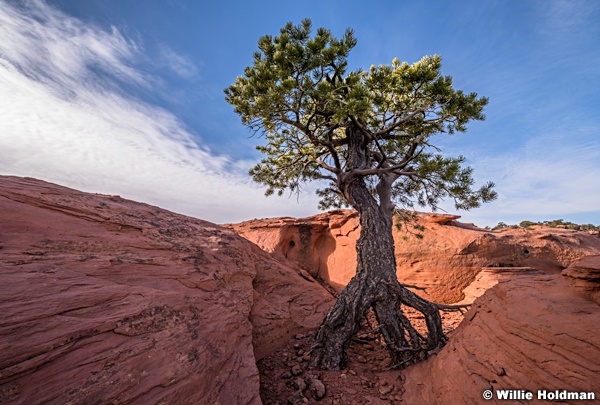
{"x": 444, "y": 261}
{"x": 530, "y": 333}
{"x": 106, "y": 300}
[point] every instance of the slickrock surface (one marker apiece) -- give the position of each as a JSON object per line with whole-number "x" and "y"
{"x": 529, "y": 333}
{"x": 584, "y": 275}
{"x": 105, "y": 300}
{"x": 445, "y": 261}
{"x": 489, "y": 277}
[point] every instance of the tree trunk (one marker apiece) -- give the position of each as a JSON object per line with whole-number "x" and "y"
{"x": 375, "y": 284}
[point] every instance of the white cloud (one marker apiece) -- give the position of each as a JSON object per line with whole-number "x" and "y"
{"x": 179, "y": 64}
{"x": 65, "y": 120}
{"x": 63, "y": 53}
{"x": 560, "y": 18}
{"x": 553, "y": 176}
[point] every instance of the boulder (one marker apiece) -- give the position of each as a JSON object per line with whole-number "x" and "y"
{"x": 106, "y": 300}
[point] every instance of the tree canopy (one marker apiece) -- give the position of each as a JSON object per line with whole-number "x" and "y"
{"x": 299, "y": 95}
{"x": 369, "y": 134}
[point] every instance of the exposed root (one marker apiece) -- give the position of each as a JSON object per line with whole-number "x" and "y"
{"x": 414, "y": 287}
{"x": 462, "y": 308}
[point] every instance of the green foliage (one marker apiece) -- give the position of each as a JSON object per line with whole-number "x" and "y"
{"x": 560, "y": 223}
{"x": 555, "y": 223}
{"x": 527, "y": 224}
{"x": 501, "y": 225}
{"x": 299, "y": 96}
{"x": 405, "y": 221}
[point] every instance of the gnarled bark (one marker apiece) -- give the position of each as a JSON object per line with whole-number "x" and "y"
{"x": 375, "y": 284}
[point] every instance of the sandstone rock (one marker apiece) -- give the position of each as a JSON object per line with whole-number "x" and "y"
{"x": 489, "y": 277}
{"x": 445, "y": 261}
{"x": 298, "y": 398}
{"x": 530, "y": 333}
{"x": 300, "y": 384}
{"x": 296, "y": 369}
{"x": 317, "y": 388}
{"x": 316, "y": 244}
{"x": 108, "y": 300}
{"x": 584, "y": 274}
{"x": 441, "y": 219}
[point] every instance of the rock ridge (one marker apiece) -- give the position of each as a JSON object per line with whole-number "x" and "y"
{"x": 105, "y": 299}
{"x": 445, "y": 261}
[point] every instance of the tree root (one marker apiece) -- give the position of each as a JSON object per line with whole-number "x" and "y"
{"x": 414, "y": 287}
{"x": 386, "y": 298}
{"x": 462, "y": 308}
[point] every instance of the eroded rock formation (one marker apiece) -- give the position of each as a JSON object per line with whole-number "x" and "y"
{"x": 445, "y": 261}
{"x": 105, "y": 299}
{"x": 584, "y": 275}
{"x": 528, "y": 333}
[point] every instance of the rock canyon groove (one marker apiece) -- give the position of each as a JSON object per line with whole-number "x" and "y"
{"x": 105, "y": 299}
{"x": 445, "y": 261}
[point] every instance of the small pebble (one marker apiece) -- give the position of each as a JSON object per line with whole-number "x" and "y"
{"x": 296, "y": 370}
{"x": 317, "y": 388}
{"x": 300, "y": 384}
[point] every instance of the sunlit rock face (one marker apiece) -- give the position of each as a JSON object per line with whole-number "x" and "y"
{"x": 445, "y": 260}
{"x": 530, "y": 333}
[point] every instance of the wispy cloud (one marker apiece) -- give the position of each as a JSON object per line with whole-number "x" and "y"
{"x": 563, "y": 19}
{"x": 63, "y": 53}
{"x": 64, "y": 118}
{"x": 179, "y": 64}
{"x": 553, "y": 176}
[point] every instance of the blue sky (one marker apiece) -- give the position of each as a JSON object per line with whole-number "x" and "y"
{"x": 126, "y": 96}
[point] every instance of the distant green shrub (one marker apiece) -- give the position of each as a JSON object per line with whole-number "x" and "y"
{"x": 527, "y": 224}
{"x": 559, "y": 223}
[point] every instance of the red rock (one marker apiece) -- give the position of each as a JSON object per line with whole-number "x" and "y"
{"x": 445, "y": 261}
{"x": 316, "y": 244}
{"x": 108, "y": 300}
{"x": 490, "y": 276}
{"x": 584, "y": 275}
{"x": 528, "y": 333}
{"x": 317, "y": 388}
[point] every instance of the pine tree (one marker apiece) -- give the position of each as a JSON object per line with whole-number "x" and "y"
{"x": 368, "y": 135}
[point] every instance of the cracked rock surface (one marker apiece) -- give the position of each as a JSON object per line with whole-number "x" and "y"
{"x": 105, "y": 300}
